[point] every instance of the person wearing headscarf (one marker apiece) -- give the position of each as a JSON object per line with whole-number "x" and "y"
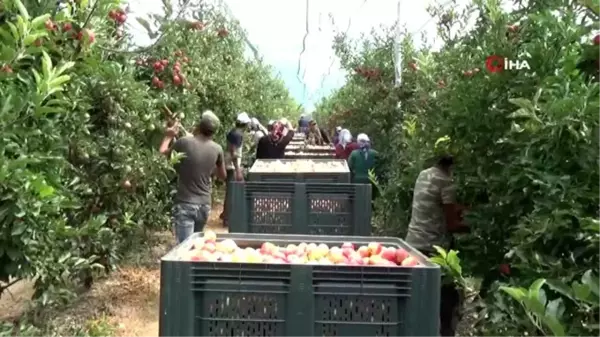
{"x": 362, "y": 160}
{"x": 336, "y": 135}
{"x": 272, "y": 146}
{"x": 345, "y": 145}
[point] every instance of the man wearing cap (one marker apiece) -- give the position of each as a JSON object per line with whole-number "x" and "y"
{"x": 202, "y": 157}
{"x": 233, "y": 158}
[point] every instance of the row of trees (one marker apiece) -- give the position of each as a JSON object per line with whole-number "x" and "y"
{"x": 526, "y": 145}
{"x": 82, "y": 113}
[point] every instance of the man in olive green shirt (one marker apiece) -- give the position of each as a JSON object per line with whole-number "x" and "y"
{"x": 435, "y": 215}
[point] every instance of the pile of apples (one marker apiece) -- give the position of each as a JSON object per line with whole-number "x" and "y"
{"x": 208, "y": 249}
{"x": 299, "y": 166}
{"x": 319, "y": 147}
{"x": 301, "y": 153}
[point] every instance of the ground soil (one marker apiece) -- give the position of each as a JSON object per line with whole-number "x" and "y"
{"x": 127, "y": 299}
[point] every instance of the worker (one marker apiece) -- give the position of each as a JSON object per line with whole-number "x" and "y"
{"x": 435, "y": 217}
{"x": 303, "y": 124}
{"x": 270, "y": 125}
{"x": 272, "y": 146}
{"x": 362, "y": 160}
{"x": 316, "y": 135}
{"x": 345, "y": 145}
{"x": 336, "y": 135}
{"x": 202, "y": 158}
{"x": 257, "y": 130}
{"x": 233, "y": 159}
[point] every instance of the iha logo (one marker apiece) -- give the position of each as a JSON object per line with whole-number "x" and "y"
{"x": 497, "y": 64}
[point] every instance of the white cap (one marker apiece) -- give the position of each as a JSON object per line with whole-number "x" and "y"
{"x": 284, "y": 121}
{"x": 271, "y": 122}
{"x": 362, "y": 138}
{"x": 338, "y": 128}
{"x": 243, "y": 118}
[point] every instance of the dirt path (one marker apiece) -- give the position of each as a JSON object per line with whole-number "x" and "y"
{"x": 138, "y": 315}
{"x": 128, "y": 300}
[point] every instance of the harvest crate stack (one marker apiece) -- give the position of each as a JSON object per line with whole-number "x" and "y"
{"x": 298, "y": 261}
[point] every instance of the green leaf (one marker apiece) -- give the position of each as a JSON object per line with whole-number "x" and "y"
{"x": 64, "y": 67}
{"x": 46, "y": 65}
{"x": 14, "y": 31}
{"x": 22, "y": 9}
{"x": 555, "y": 308}
{"x": 46, "y": 191}
{"x": 537, "y": 285}
{"x": 554, "y": 325}
{"x": 18, "y": 228}
{"x": 581, "y": 291}
{"x": 591, "y": 281}
{"x": 523, "y": 103}
{"x": 439, "y": 261}
{"x": 561, "y": 288}
{"x": 57, "y": 82}
{"x": 441, "y": 251}
{"x": 454, "y": 262}
{"x": 518, "y": 294}
{"x": 31, "y": 38}
{"x": 7, "y": 54}
{"x": 39, "y": 21}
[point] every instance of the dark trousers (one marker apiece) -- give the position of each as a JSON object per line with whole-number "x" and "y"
{"x": 227, "y": 204}
{"x": 450, "y": 305}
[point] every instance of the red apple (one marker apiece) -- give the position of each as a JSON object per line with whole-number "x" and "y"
{"x": 279, "y": 255}
{"x": 389, "y": 253}
{"x": 375, "y": 248}
{"x": 348, "y": 251}
{"x": 364, "y": 251}
{"x": 210, "y": 236}
{"x": 291, "y": 249}
{"x": 210, "y": 247}
{"x": 401, "y": 255}
{"x": 410, "y": 262}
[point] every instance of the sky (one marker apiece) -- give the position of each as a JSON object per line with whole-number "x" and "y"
{"x": 277, "y": 28}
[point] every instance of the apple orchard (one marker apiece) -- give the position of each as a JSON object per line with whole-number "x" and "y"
{"x": 83, "y": 111}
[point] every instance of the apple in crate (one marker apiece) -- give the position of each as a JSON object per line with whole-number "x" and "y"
{"x": 210, "y": 249}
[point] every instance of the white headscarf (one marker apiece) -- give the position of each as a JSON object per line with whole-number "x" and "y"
{"x": 362, "y": 138}
{"x": 345, "y": 138}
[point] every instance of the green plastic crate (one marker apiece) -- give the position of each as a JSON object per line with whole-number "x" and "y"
{"x": 308, "y": 177}
{"x": 242, "y": 299}
{"x": 298, "y": 208}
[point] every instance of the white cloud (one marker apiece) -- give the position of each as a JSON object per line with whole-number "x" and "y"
{"x": 277, "y": 27}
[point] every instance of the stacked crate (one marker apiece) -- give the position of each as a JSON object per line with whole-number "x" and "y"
{"x": 305, "y": 198}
